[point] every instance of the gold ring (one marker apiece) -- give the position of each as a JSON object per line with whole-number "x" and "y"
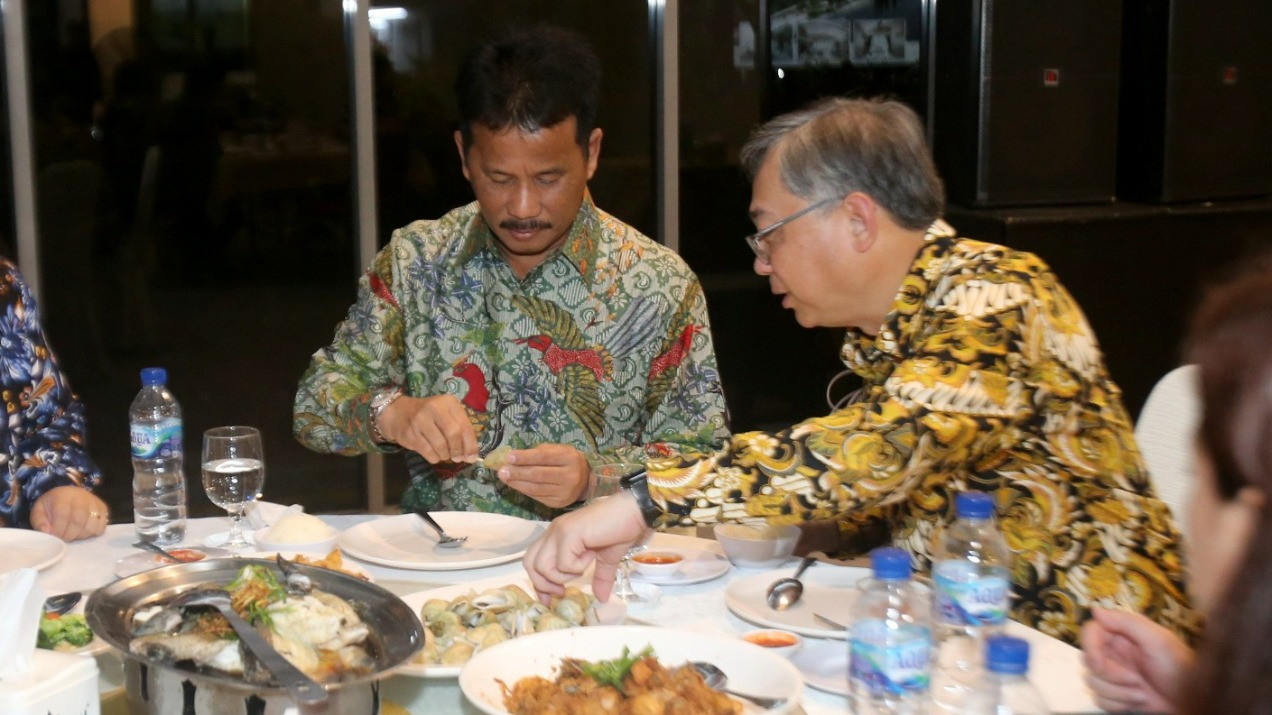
{"x": 94, "y": 513}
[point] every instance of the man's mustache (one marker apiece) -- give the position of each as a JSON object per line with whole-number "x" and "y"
{"x": 527, "y": 225}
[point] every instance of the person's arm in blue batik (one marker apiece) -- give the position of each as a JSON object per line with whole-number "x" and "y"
{"x": 49, "y": 475}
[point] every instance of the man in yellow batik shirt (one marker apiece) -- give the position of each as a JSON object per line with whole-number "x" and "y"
{"x": 980, "y": 373}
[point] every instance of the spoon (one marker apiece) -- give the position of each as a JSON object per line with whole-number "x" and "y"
{"x": 784, "y": 592}
{"x": 62, "y": 603}
{"x": 716, "y": 679}
{"x": 301, "y": 686}
{"x": 445, "y": 539}
{"x": 147, "y": 546}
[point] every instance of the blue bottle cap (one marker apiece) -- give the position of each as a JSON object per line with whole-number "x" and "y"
{"x": 151, "y": 376}
{"x": 1007, "y": 654}
{"x": 973, "y": 505}
{"x": 890, "y": 564}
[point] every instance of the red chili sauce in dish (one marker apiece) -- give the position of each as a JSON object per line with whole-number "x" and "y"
{"x": 185, "y": 555}
{"x": 657, "y": 559}
{"x": 771, "y": 639}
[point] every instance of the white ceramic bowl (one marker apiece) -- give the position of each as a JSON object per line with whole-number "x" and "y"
{"x": 658, "y": 564}
{"x": 322, "y": 547}
{"x": 757, "y": 546}
{"x": 774, "y": 640}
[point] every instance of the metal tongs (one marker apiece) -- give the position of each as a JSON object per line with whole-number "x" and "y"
{"x": 302, "y": 688}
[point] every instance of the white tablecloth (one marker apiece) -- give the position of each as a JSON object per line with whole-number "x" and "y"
{"x": 1055, "y": 666}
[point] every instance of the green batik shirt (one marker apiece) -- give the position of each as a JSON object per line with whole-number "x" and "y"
{"x": 604, "y": 346}
{"x": 984, "y": 376}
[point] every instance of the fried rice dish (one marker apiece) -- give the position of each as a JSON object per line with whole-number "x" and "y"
{"x": 633, "y": 685}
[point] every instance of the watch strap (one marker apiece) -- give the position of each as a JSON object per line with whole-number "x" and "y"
{"x": 637, "y": 484}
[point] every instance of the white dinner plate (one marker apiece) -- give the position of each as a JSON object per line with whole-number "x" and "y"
{"x": 751, "y": 668}
{"x": 824, "y": 665}
{"x": 698, "y": 566}
{"x": 610, "y": 613}
{"x": 828, "y": 590}
{"x": 145, "y": 560}
{"x": 27, "y": 548}
{"x": 406, "y": 542}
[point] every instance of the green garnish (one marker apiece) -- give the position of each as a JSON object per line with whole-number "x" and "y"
{"x": 71, "y": 629}
{"x": 257, "y": 608}
{"x": 612, "y": 672}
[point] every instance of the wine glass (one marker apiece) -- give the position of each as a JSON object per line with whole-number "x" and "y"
{"x": 233, "y": 474}
{"x": 605, "y": 482}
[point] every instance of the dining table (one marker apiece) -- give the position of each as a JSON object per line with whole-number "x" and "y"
{"x": 1056, "y": 667}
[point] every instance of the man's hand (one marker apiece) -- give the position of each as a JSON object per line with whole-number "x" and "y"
{"x": 1132, "y": 662}
{"x": 70, "y": 513}
{"x": 437, "y": 427}
{"x": 600, "y": 532}
{"x": 554, "y": 474}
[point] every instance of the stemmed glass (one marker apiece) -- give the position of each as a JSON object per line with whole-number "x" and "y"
{"x": 233, "y": 474}
{"x": 605, "y": 482}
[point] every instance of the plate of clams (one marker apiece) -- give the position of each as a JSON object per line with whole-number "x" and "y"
{"x": 464, "y": 619}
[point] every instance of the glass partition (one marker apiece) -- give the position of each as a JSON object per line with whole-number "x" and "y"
{"x": 194, "y": 211}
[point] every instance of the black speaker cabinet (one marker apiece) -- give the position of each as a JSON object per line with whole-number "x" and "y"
{"x": 1196, "y": 115}
{"x": 1026, "y": 100}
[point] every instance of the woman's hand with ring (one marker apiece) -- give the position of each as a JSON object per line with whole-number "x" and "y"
{"x": 70, "y": 513}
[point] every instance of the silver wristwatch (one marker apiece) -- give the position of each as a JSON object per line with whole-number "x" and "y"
{"x": 379, "y": 403}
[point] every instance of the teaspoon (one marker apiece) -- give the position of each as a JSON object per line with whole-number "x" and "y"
{"x": 784, "y": 592}
{"x": 716, "y": 679}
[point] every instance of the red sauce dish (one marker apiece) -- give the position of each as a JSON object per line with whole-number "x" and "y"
{"x": 658, "y": 558}
{"x": 184, "y": 556}
{"x": 658, "y": 564}
{"x": 772, "y": 639}
{"x": 783, "y": 643}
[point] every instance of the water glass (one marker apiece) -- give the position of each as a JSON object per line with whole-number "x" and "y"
{"x": 233, "y": 474}
{"x": 605, "y": 482}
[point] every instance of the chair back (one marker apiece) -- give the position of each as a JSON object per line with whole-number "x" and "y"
{"x": 1166, "y": 432}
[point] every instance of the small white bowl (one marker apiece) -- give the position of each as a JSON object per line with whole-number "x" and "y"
{"x": 322, "y": 547}
{"x": 658, "y": 564}
{"x": 783, "y": 643}
{"x": 757, "y": 546}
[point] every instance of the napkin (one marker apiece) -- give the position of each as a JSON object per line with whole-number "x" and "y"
{"x": 21, "y": 600}
{"x": 261, "y": 514}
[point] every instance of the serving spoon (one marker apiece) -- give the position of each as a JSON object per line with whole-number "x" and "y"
{"x": 62, "y": 603}
{"x": 784, "y": 592}
{"x": 716, "y": 679}
{"x": 301, "y": 686}
{"x": 147, "y": 546}
{"x": 444, "y": 539}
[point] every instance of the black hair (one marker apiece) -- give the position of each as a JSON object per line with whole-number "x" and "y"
{"x": 531, "y": 79}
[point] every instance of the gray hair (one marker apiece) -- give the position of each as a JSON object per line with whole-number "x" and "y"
{"x": 837, "y": 146}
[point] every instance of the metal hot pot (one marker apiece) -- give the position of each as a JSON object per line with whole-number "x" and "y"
{"x": 158, "y": 688}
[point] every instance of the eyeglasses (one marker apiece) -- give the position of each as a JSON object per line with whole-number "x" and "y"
{"x": 757, "y": 240}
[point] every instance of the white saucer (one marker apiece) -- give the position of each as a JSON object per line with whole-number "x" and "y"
{"x": 698, "y": 566}
{"x": 824, "y": 665}
{"x": 145, "y": 560}
{"x": 649, "y": 591}
{"x": 219, "y": 538}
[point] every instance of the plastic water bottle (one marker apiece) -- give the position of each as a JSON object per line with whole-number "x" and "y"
{"x": 971, "y": 593}
{"x": 159, "y": 491}
{"x": 889, "y": 640}
{"x": 1005, "y": 688}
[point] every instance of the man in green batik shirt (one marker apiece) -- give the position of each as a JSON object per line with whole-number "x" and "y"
{"x": 529, "y": 319}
